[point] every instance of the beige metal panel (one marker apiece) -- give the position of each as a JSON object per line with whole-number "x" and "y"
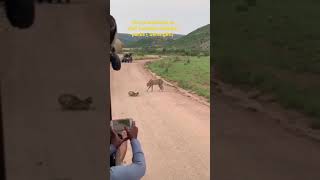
{"x": 64, "y": 52}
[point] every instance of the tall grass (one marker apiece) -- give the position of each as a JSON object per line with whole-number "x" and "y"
{"x": 272, "y": 46}
{"x": 191, "y": 73}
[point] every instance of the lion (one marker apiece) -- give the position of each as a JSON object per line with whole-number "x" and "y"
{"x": 153, "y": 82}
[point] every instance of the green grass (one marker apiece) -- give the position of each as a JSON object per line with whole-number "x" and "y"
{"x": 191, "y": 73}
{"x": 198, "y": 39}
{"x": 143, "y": 57}
{"x": 138, "y": 56}
{"x": 273, "y": 46}
{"x": 170, "y": 51}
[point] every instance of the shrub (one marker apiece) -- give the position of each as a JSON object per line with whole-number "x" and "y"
{"x": 176, "y": 59}
{"x": 164, "y": 50}
{"x": 251, "y": 2}
{"x": 187, "y": 61}
{"x": 241, "y": 7}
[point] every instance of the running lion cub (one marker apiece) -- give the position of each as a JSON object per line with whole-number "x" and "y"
{"x": 153, "y": 82}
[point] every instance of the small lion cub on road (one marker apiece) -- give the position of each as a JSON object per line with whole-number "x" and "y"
{"x": 152, "y": 82}
{"x": 133, "y": 94}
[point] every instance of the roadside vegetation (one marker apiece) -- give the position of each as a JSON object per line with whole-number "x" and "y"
{"x": 189, "y": 72}
{"x": 265, "y": 45}
{"x": 144, "y": 56}
{"x": 196, "y": 43}
{"x": 184, "y": 59}
{"x": 170, "y": 51}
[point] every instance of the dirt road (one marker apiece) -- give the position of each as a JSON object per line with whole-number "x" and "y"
{"x": 174, "y": 130}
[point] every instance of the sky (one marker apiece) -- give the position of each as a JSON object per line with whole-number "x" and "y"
{"x": 187, "y": 14}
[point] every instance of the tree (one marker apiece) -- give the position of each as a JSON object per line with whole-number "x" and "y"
{"x": 164, "y": 50}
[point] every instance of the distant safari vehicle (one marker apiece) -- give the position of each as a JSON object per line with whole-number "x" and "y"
{"x": 20, "y": 13}
{"x": 127, "y": 58}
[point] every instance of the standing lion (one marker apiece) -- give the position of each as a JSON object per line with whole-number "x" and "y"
{"x": 152, "y": 82}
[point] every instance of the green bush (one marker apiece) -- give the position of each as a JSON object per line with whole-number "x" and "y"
{"x": 251, "y": 2}
{"x": 195, "y": 76}
{"x": 176, "y": 59}
{"x": 241, "y": 7}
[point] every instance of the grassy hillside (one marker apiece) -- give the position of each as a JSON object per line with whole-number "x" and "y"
{"x": 194, "y": 44}
{"x": 196, "y": 40}
{"x": 273, "y": 46}
{"x": 190, "y": 73}
{"x": 126, "y": 38}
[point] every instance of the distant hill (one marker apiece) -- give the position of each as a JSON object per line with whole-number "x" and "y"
{"x": 126, "y": 38}
{"x": 197, "y": 40}
{"x": 130, "y": 41}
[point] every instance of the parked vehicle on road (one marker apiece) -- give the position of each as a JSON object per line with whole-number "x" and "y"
{"x": 127, "y": 58}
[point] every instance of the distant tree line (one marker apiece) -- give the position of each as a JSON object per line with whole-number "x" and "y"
{"x": 170, "y": 51}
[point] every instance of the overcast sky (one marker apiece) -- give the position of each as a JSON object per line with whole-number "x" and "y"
{"x": 188, "y": 14}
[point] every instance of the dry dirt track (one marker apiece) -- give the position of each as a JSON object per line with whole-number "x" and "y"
{"x": 174, "y": 130}
{"x": 247, "y": 145}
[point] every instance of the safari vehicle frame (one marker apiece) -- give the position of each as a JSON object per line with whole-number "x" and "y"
{"x": 21, "y": 14}
{"x": 23, "y": 17}
{"x": 2, "y": 159}
{"x": 57, "y": 1}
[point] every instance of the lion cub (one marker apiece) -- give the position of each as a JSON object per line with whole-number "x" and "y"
{"x": 72, "y": 102}
{"x": 152, "y": 82}
{"x": 134, "y": 94}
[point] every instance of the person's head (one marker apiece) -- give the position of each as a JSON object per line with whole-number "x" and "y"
{"x": 114, "y": 58}
{"x": 113, "y": 29}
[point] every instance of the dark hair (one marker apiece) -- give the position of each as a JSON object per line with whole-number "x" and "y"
{"x": 114, "y": 58}
{"x": 113, "y": 29}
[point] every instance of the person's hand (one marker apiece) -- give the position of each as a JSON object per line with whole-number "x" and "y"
{"x": 132, "y": 133}
{"x": 116, "y": 140}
